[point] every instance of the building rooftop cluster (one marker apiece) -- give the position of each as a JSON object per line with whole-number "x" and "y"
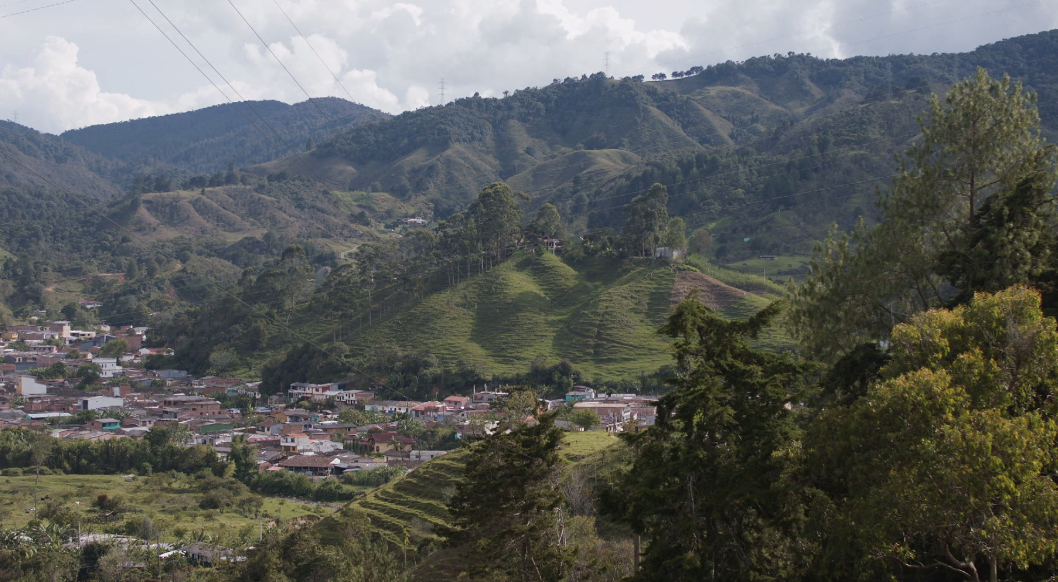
{"x": 127, "y": 401}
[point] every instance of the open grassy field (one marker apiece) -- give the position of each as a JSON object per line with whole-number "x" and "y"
{"x": 754, "y": 282}
{"x": 784, "y": 267}
{"x": 172, "y": 506}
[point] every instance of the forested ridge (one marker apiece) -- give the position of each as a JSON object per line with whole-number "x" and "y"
{"x": 205, "y": 140}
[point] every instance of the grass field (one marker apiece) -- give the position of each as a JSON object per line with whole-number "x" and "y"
{"x": 172, "y": 507}
{"x": 783, "y": 268}
{"x": 602, "y": 316}
{"x": 753, "y": 282}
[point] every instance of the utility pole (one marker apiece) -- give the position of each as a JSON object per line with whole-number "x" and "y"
{"x": 442, "y": 91}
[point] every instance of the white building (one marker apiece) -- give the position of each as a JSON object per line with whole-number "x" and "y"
{"x": 100, "y": 402}
{"x": 29, "y": 386}
{"x": 110, "y": 367}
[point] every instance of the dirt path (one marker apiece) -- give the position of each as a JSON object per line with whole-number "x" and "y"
{"x": 713, "y": 293}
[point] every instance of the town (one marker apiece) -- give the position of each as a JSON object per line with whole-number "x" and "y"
{"x": 60, "y": 380}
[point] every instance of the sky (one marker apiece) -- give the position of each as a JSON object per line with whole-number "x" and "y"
{"x": 66, "y": 64}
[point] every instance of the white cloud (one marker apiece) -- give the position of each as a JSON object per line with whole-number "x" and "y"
{"x": 54, "y": 93}
{"x": 392, "y": 55}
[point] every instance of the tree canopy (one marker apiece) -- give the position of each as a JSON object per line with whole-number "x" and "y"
{"x": 971, "y": 208}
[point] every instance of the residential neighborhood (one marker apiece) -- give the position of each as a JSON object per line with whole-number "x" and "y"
{"x": 305, "y": 429}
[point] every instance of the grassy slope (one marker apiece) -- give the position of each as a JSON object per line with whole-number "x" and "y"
{"x": 414, "y": 505}
{"x": 602, "y": 317}
{"x": 175, "y": 507}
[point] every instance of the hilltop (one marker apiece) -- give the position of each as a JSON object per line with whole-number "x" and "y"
{"x": 206, "y": 140}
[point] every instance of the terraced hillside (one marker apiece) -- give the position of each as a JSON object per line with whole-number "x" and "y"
{"x": 601, "y": 315}
{"x": 407, "y": 511}
{"x": 412, "y": 507}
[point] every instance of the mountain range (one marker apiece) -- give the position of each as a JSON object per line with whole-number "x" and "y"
{"x": 766, "y": 154}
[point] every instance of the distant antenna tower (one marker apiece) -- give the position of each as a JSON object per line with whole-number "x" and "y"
{"x": 16, "y": 116}
{"x": 888, "y": 80}
{"x": 607, "y": 66}
{"x": 442, "y": 90}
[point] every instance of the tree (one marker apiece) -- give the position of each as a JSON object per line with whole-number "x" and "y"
{"x": 497, "y": 215}
{"x": 88, "y": 373}
{"x": 701, "y": 242}
{"x": 221, "y": 359}
{"x": 947, "y": 463}
{"x": 518, "y": 405}
{"x": 1012, "y": 244}
{"x": 646, "y": 218}
{"x": 709, "y": 487}
{"x": 982, "y": 143}
{"x": 586, "y": 419}
{"x": 507, "y": 510}
{"x": 675, "y": 236}
{"x": 114, "y": 348}
{"x": 244, "y": 457}
{"x": 411, "y": 427}
{"x": 548, "y": 223}
{"x": 40, "y": 448}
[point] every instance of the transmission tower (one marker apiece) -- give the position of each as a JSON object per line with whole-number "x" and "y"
{"x": 442, "y": 91}
{"x": 607, "y": 65}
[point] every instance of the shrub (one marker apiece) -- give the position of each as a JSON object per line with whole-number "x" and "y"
{"x": 217, "y": 499}
{"x": 11, "y": 472}
{"x": 373, "y": 477}
{"x": 106, "y": 503}
{"x": 331, "y": 490}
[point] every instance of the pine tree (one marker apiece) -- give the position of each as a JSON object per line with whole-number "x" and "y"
{"x": 980, "y": 145}
{"x": 709, "y": 489}
{"x": 507, "y": 511}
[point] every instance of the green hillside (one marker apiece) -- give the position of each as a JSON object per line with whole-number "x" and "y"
{"x": 601, "y": 315}
{"x": 407, "y": 512}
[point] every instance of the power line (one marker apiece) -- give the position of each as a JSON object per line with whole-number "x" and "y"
{"x": 15, "y": 2}
{"x": 303, "y": 167}
{"x": 242, "y": 99}
{"x": 326, "y": 66}
{"x": 34, "y": 9}
{"x": 299, "y": 85}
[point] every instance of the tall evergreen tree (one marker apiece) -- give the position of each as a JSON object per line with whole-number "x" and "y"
{"x": 646, "y": 218}
{"x": 710, "y": 489}
{"x": 507, "y": 511}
